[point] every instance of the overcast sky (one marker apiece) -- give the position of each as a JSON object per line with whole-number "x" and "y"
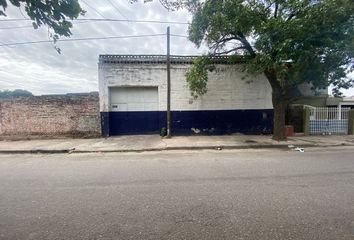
{"x": 41, "y": 70}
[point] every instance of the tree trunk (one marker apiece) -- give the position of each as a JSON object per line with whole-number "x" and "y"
{"x": 279, "y": 106}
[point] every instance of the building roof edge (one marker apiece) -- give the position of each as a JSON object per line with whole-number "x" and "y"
{"x": 160, "y": 59}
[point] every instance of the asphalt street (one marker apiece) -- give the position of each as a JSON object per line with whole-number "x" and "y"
{"x": 243, "y": 194}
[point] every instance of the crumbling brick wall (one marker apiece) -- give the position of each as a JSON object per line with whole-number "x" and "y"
{"x": 74, "y": 115}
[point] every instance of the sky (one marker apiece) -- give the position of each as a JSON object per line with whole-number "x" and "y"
{"x": 39, "y": 69}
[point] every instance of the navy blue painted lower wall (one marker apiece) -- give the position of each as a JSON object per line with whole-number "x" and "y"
{"x": 203, "y": 122}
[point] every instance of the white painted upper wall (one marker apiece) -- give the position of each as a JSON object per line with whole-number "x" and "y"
{"x": 227, "y": 90}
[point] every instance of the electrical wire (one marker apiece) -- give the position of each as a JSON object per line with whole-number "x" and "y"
{"x": 116, "y": 8}
{"x": 176, "y": 35}
{"x": 30, "y": 26}
{"x": 16, "y": 27}
{"x": 82, "y": 39}
{"x": 108, "y": 20}
{"x": 14, "y": 19}
{"x": 23, "y": 15}
{"x": 134, "y": 21}
{"x": 94, "y": 9}
{"x": 83, "y": 21}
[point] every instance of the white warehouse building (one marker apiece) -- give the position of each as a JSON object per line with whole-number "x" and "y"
{"x": 133, "y": 97}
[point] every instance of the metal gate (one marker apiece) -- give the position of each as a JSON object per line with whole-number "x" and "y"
{"x": 327, "y": 120}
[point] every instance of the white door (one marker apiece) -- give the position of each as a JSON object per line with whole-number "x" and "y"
{"x": 133, "y": 99}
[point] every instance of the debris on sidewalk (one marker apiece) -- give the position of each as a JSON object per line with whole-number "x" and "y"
{"x": 302, "y": 150}
{"x": 299, "y": 149}
{"x": 71, "y": 150}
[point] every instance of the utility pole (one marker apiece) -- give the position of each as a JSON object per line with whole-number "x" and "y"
{"x": 168, "y": 85}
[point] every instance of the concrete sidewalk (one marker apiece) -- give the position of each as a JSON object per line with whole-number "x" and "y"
{"x": 140, "y": 143}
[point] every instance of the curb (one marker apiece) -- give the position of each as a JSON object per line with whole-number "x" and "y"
{"x": 219, "y": 147}
{"x": 190, "y": 148}
{"x": 35, "y": 151}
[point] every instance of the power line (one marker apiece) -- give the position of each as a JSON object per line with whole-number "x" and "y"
{"x": 17, "y": 27}
{"x": 15, "y": 19}
{"x": 94, "y": 9}
{"x": 82, "y": 39}
{"x": 134, "y": 21}
{"x": 91, "y": 20}
{"x": 108, "y": 20}
{"x": 118, "y": 10}
{"x": 31, "y": 26}
{"x": 176, "y": 35}
{"x": 24, "y": 17}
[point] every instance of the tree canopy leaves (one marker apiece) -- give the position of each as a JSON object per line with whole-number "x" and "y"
{"x": 56, "y": 14}
{"x": 289, "y": 41}
{"x": 198, "y": 76}
{"x": 296, "y": 41}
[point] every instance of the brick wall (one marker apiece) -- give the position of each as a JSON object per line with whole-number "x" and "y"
{"x": 75, "y": 115}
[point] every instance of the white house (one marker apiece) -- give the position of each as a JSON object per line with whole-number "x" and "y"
{"x": 133, "y": 97}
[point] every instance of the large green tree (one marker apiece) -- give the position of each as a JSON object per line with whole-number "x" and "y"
{"x": 56, "y": 14}
{"x": 289, "y": 41}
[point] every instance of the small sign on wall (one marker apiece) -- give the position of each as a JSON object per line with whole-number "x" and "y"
{"x": 119, "y": 107}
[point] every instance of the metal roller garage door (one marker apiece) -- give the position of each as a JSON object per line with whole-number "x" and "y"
{"x": 133, "y": 110}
